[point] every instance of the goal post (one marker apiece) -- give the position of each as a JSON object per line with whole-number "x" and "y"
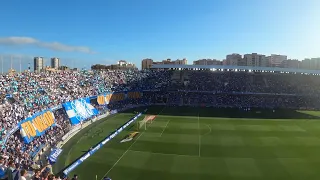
{"x": 148, "y": 119}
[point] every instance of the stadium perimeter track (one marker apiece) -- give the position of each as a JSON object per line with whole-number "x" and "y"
{"x": 193, "y": 143}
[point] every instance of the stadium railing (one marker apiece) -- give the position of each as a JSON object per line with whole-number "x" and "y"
{"x": 86, "y": 155}
{"x": 77, "y": 129}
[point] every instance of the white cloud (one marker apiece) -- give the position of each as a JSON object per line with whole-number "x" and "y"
{"x": 56, "y": 46}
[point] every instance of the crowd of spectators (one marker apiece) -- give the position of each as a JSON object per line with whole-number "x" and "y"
{"x": 247, "y": 82}
{"x": 22, "y": 95}
{"x": 241, "y": 89}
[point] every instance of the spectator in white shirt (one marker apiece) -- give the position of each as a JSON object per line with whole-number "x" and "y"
{"x": 23, "y": 174}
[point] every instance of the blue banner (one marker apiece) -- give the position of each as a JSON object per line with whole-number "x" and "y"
{"x": 54, "y": 155}
{"x": 79, "y": 110}
{"x": 13, "y": 130}
{"x": 9, "y": 96}
{"x": 99, "y": 145}
{"x": 36, "y": 125}
{"x": 56, "y": 107}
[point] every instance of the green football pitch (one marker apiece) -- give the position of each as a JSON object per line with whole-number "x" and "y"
{"x": 202, "y": 143}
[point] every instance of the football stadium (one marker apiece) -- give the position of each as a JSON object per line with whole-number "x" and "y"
{"x": 160, "y": 90}
{"x": 168, "y": 122}
{"x": 191, "y": 143}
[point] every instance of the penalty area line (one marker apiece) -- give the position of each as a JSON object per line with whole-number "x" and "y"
{"x": 121, "y": 156}
{"x": 127, "y": 150}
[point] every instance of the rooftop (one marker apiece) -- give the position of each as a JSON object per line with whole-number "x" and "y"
{"x": 235, "y": 68}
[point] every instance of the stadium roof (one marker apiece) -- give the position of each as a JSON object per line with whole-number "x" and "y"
{"x": 225, "y": 67}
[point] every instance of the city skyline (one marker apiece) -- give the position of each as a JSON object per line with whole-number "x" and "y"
{"x": 27, "y": 61}
{"x": 111, "y": 31}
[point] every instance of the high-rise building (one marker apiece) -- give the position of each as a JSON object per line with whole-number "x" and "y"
{"x": 235, "y": 60}
{"x": 169, "y": 61}
{"x": 38, "y": 64}
{"x": 55, "y": 63}
{"x": 255, "y": 59}
{"x": 146, "y": 63}
{"x": 276, "y": 60}
{"x": 207, "y": 62}
{"x": 313, "y": 63}
{"x": 122, "y": 64}
{"x": 183, "y": 61}
{"x": 291, "y": 63}
{"x": 305, "y": 64}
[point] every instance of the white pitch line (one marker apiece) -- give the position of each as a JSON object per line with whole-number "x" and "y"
{"x": 127, "y": 150}
{"x": 199, "y": 135}
{"x": 122, "y": 156}
{"x": 208, "y": 131}
{"x": 165, "y": 128}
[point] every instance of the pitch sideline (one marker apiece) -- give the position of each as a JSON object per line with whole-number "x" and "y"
{"x": 127, "y": 150}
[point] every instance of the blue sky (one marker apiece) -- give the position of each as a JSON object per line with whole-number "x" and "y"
{"x": 82, "y": 32}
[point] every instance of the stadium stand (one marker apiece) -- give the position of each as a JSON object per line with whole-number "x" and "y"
{"x": 26, "y": 95}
